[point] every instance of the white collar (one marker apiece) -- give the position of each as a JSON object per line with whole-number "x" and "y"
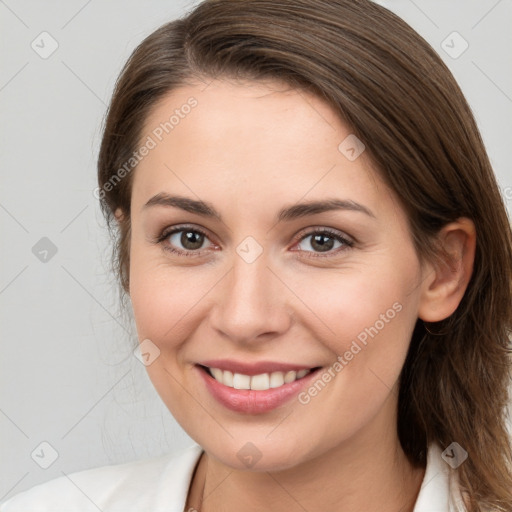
{"x": 440, "y": 483}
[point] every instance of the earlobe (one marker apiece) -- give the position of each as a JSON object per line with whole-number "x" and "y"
{"x": 448, "y": 278}
{"x": 119, "y": 215}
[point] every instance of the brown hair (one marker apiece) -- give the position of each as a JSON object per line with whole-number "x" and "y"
{"x": 399, "y": 98}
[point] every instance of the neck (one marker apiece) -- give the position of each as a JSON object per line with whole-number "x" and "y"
{"x": 368, "y": 473}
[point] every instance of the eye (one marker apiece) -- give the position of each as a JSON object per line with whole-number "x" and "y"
{"x": 184, "y": 240}
{"x": 188, "y": 241}
{"x": 324, "y": 240}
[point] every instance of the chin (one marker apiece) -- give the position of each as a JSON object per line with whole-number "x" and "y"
{"x": 259, "y": 455}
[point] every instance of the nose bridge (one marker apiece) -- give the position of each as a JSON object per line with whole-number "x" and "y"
{"x": 250, "y": 281}
{"x": 250, "y": 304}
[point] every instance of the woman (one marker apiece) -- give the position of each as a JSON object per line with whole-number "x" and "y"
{"x": 319, "y": 263}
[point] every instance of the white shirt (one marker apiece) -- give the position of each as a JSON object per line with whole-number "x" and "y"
{"x": 161, "y": 485}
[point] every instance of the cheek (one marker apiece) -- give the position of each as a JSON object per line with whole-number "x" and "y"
{"x": 167, "y": 308}
{"x": 368, "y": 324}
{"x": 161, "y": 303}
{"x": 167, "y": 301}
{"x": 366, "y": 316}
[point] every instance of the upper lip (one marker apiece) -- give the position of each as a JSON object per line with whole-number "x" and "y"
{"x": 254, "y": 368}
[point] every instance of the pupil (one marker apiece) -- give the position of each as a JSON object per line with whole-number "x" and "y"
{"x": 322, "y": 246}
{"x": 191, "y": 240}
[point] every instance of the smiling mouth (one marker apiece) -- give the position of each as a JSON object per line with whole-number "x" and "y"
{"x": 261, "y": 382}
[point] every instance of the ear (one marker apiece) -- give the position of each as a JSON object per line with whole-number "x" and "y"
{"x": 446, "y": 280}
{"x": 119, "y": 215}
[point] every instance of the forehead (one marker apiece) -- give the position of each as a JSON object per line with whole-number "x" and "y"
{"x": 252, "y": 139}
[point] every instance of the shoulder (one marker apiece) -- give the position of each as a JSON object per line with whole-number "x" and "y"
{"x": 155, "y": 484}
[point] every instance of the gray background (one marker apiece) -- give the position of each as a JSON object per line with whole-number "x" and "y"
{"x": 68, "y": 375}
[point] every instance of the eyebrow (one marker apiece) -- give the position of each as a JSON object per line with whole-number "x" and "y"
{"x": 288, "y": 213}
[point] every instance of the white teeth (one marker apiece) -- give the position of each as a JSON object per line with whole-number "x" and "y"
{"x": 227, "y": 378}
{"x": 290, "y": 376}
{"x": 241, "y": 381}
{"x": 217, "y": 373}
{"x": 276, "y": 379}
{"x": 260, "y": 382}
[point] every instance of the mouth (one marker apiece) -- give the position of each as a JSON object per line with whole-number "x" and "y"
{"x": 255, "y": 392}
{"x": 259, "y": 382}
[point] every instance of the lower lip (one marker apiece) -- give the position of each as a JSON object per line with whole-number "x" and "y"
{"x": 251, "y": 401}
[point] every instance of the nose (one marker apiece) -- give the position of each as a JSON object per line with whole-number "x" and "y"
{"x": 252, "y": 304}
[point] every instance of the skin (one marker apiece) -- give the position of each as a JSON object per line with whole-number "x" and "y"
{"x": 250, "y": 149}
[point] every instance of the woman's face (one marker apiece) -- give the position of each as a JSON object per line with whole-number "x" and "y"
{"x": 255, "y": 275}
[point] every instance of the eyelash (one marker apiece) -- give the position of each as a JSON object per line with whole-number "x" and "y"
{"x": 178, "y": 229}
